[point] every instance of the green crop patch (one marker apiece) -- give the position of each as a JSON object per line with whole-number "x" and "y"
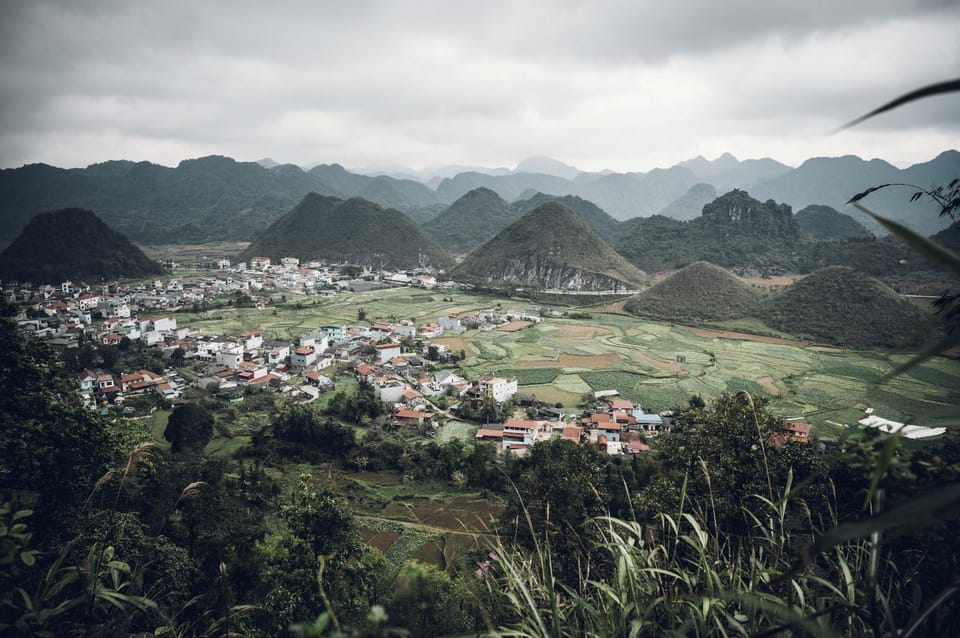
{"x": 531, "y": 376}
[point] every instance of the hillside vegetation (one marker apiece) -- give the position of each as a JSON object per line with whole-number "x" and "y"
{"x": 549, "y": 247}
{"x": 355, "y": 230}
{"x": 842, "y": 306}
{"x": 596, "y": 219}
{"x": 72, "y": 244}
{"x": 737, "y": 231}
{"x": 471, "y": 220}
{"x": 699, "y": 292}
{"x": 824, "y": 223}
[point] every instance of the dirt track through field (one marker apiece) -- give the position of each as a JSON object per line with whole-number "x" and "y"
{"x": 744, "y": 336}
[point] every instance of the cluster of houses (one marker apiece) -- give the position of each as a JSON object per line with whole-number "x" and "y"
{"x": 108, "y": 314}
{"x": 616, "y": 426}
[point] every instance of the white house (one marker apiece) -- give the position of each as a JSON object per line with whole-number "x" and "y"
{"x": 387, "y": 351}
{"x": 252, "y": 340}
{"x": 230, "y": 355}
{"x": 450, "y": 323}
{"x": 278, "y": 355}
{"x": 303, "y": 357}
{"x": 316, "y": 340}
{"x": 160, "y": 324}
{"x": 500, "y": 388}
{"x": 431, "y": 330}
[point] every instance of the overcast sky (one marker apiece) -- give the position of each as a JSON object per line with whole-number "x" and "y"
{"x": 621, "y": 85}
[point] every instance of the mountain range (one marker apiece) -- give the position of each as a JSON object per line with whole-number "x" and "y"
{"x": 218, "y": 198}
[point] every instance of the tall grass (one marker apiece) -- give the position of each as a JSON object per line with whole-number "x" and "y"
{"x": 680, "y": 577}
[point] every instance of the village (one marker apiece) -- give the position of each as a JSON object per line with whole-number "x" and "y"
{"x": 416, "y": 379}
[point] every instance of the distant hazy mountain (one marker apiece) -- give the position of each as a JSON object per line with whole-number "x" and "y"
{"x": 210, "y": 198}
{"x": 547, "y": 166}
{"x": 727, "y": 172}
{"x": 690, "y": 204}
{"x": 355, "y": 230}
{"x": 508, "y": 187}
{"x": 832, "y": 181}
{"x": 549, "y": 247}
{"x": 72, "y": 244}
{"x": 826, "y": 224}
{"x": 471, "y": 220}
{"x": 267, "y": 162}
{"x": 218, "y": 198}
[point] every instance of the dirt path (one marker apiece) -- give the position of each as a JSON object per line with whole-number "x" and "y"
{"x": 744, "y": 336}
{"x": 428, "y": 528}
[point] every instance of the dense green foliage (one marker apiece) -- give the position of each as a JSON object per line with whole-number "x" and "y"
{"x": 598, "y": 220}
{"x": 472, "y": 220}
{"x": 824, "y": 223}
{"x": 737, "y": 231}
{"x": 189, "y": 428}
{"x": 842, "y": 306}
{"x": 699, "y": 292}
{"x": 355, "y": 230}
{"x": 72, "y": 244}
{"x": 733, "y": 230}
{"x": 52, "y": 450}
{"x": 549, "y": 247}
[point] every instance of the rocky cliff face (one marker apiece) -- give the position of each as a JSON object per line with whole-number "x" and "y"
{"x": 550, "y": 275}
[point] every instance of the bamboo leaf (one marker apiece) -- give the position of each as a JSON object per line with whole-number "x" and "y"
{"x": 919, "y": 512}
{"x": 928, "y": 91}
{"x": 929, "y": 249}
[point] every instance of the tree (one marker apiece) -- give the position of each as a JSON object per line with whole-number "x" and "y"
{"x": 560, "y": 486}
{"x": 724, "y": 456}
{"x": 189, "y": 428}
{"x": 50, "y": 446}
{"x": 177, "y": 357}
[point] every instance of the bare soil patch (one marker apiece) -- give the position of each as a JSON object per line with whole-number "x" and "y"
{"x": 767, "y": 384}
{"x": 744, "y": 336}
{"x": 587, "y": 331}
{"x": 431, "y": 553}
{"x": 587, "y": 360}
{"x": 615, "y": 308}
{"x": 666, "y": 366}
{"x": 456, "y": 344}
{"x": 380, "y": 540}
{"x": 514, "y": 326}
{"x": 772, "y": 282}
{"x": 459, "y": 514}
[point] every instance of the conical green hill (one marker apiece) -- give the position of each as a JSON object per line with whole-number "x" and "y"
{"x": 699, "y": 292}
{"x": 72, "y": 243}
{"x": 355, "y": 230}
{"x": 549, "y": 248}
{"x": 843, "y": 306}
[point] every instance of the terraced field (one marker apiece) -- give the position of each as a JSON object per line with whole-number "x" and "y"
{"x": 658, "y": 365}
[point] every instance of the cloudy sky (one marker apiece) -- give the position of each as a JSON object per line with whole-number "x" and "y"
{"x": 621, "y": 85}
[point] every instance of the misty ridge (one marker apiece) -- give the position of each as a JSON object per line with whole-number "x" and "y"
{"x": 219, "y": 198}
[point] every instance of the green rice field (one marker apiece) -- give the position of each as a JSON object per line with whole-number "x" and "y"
{"x": 658, "y": 365}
